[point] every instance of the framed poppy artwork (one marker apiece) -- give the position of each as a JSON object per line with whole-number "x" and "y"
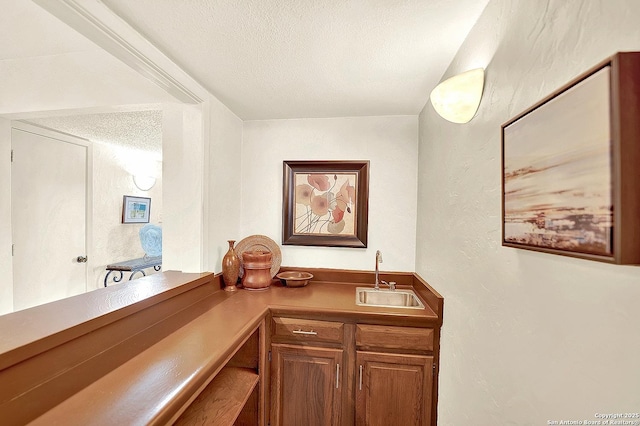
{"x": 325, "y": 203}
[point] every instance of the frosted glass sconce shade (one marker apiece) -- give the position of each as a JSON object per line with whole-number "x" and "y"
{"x": 457, "y": 98}
{"x": 144, "y": 183}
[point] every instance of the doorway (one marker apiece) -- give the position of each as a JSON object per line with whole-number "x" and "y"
{"x": 49, "y": 177}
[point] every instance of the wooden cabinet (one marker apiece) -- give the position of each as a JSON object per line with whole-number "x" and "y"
{"x": 305, "y": 383}
{"x": 332, "y": 373}
{"x": 307, "y": 370}
{"x": 395, "y": 367}
{"x": 393, "y": 389}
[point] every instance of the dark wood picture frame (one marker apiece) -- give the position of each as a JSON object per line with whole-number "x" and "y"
{"x": 128, "y": 203}
{"x": 622, "y": 157}
{"x": 354, "y": 206}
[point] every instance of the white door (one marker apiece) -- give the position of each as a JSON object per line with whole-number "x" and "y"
{"x": 48, "y": 208}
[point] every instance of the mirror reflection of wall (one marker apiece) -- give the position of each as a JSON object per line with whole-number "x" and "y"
{"x": 59, "y": 85}
{"x": 124, "y": 144}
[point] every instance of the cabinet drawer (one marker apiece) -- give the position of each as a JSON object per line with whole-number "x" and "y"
{"x": 301, "y": 330}
{"x": 389, "y": 337}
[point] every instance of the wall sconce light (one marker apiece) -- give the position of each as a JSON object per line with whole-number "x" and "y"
{"x": 457, "y": 99}
{"x": 144, "y": 183}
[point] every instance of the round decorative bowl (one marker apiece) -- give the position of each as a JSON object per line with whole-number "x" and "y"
{"x": 294, "y": 278}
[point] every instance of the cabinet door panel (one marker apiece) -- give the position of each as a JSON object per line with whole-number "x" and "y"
{"x": 393, "y": 389}
{"x": 306, "y": 385}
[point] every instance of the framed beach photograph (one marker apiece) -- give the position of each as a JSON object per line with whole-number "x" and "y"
{"x": 135, "y": 209}
{"x": 568, "y": 184}
{"x": 325, "y": 203}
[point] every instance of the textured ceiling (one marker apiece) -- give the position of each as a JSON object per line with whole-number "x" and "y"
{"x": 136, "y": 129}
{"x": 309, "y": 58}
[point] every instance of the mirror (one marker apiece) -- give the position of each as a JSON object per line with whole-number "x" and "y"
{"x": 57, "y": 84}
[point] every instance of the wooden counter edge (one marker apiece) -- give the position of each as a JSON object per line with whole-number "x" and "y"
{"x": 53, "y": 324}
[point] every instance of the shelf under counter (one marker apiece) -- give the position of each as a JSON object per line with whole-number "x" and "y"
{"x": 223, "y": 400}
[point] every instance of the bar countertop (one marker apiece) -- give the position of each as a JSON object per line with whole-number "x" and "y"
{"x": 152, "y": 384}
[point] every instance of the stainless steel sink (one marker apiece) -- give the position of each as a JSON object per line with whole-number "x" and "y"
{"x": 367, "y": 296}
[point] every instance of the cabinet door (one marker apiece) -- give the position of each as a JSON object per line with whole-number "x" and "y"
{"x": 306, "y": 385}
{"x": 393, "y": 389}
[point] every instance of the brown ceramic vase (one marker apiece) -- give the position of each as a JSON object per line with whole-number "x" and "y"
{"x": 230, "y": 268}
{"x": 257, "y": 270}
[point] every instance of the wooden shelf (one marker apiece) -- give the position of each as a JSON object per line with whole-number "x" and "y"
{"x": 221, "y": 402}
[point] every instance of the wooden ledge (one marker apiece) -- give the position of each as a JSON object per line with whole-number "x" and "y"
{"x": 43, "y": 327}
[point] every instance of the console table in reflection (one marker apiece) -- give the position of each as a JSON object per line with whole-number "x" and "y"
{"x": 134, "y": 266}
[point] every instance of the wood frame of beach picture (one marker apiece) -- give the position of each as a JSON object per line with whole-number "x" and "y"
{"x": 570, "y": 181}
{"x": 325, "y": 203}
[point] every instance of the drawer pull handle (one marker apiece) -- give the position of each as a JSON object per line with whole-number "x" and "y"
{"x": 306, "y": 333}
{"x": 360, "y": 386}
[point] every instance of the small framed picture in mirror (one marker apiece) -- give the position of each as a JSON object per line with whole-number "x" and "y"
{"x": 135, "y": 209}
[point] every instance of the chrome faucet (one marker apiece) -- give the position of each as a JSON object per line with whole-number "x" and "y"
{"x": 378, "y": 261}
{"x": 392, "y": 284}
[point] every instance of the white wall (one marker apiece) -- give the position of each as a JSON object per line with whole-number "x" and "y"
{"x": 183, "y": 171}
{"x": 6, "y": 262}
{"x": 390, "y": 143}
{"x": 527, "y": 337}
{"x": 224, "y": 178}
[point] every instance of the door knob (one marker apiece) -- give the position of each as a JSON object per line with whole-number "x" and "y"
{"x": 81, "y": 259}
